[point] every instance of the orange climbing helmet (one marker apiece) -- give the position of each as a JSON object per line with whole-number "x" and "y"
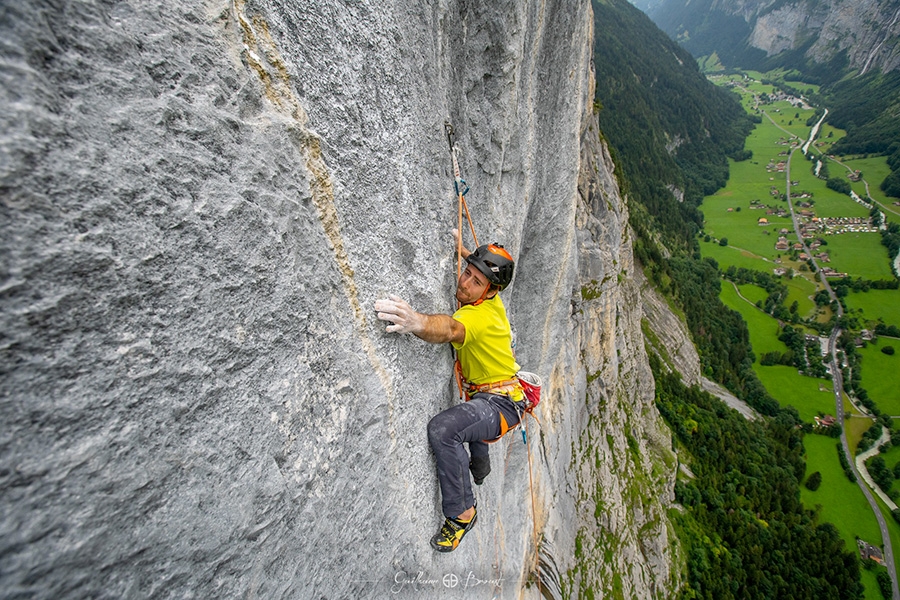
{"x": 495, "y": 262}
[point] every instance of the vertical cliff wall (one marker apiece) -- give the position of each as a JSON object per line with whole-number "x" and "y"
{"x": 200, "y": 203}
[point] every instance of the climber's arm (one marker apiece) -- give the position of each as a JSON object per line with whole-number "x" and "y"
{"x": 436, "y": 329}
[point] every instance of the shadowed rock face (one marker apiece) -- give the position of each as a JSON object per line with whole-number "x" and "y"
{"x": 200, "y": 203}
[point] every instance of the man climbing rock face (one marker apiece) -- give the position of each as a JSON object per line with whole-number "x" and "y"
{"x": 480, "y": 333}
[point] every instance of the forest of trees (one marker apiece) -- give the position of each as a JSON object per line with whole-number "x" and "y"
{"x": 891, "y": 183}
{"x": 866, "y": 108}
{"x": 746, "y": 532}
{"x": 720, "y": 334}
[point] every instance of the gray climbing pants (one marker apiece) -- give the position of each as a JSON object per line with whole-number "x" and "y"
{"x": 469, "y": 422}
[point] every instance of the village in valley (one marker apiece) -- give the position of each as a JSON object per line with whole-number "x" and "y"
{"x": 808, "y": 219}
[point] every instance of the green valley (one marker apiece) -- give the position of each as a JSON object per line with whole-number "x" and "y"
{"x": 715, "y": 172}
{"x": 748, "y": 224}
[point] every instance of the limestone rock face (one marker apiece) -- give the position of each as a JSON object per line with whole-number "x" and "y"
{"x": 671, "y": 338}
{"x": 200, "y": 203}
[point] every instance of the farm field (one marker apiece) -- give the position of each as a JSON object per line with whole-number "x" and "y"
{"x": 740, "y": 229}
{"x": 727, "y": 256}
{"x": 809, "y": 395}
{"x": 828, "y": 203}
{"x": 875, "y": 305}
{"x": 874, "y": 169}
{"x": 763, "y": 328}
{"x": 751, "y": 292}
{"x": 842, "y": 502}
{"x": 860, "y": 255}
{"x": 879, "y": 375}
{"x": 744, "y": 215}
{"x": 801, "y": 290}
{"x": 855, "y": 427}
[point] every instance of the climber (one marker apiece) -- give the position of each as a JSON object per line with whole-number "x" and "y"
{"x": 480, "y": 333}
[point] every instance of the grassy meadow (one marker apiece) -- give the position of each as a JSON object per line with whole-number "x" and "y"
{"x": 855, "y": 427}
{"x": 809, "y": 395}
{"x": 860, "y": 255}
{"x": 879, "y": 375}
{"x": 751, "y": 292}
{"x": 840, "y": 502}
{"x": 876, "y": 305}
{"x": 763, "y": 328}
{"x": 802, "y": 291}
{"x": 739, "y": 257}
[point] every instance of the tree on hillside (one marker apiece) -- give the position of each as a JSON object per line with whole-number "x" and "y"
{"x": 813, "y": 481}
{"x": 839, "y": 185}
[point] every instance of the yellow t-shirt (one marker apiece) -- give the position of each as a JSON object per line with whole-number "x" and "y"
{"x": 486, "y": 354}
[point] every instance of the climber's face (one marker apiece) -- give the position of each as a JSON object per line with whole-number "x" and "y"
{"x": 471, "y": 286}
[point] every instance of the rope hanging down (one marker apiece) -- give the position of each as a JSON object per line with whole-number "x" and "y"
{"x": 459, "y": 184}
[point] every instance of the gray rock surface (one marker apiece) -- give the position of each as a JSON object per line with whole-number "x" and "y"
{"x": 200, "y": 203}
{"x": 670, "y": 338}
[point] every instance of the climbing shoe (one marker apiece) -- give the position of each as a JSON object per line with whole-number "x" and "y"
{"x": 451, "y": 533}
{"x": 480, "y": 467}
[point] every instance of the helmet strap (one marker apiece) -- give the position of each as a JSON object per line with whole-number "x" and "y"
{"x": 484, "y": 294}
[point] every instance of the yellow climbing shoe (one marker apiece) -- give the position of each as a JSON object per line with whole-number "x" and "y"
{"x": 451, "y": 534}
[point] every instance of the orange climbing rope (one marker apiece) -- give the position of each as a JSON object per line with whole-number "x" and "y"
{"x": 459, "y": 184}
{"x": 462, "y": 188}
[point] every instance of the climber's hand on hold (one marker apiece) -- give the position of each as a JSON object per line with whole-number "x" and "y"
{"x": 402, "y": 317}
{"x": 436, "y": 329}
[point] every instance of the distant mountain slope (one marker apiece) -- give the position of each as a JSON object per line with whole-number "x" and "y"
{"x": 670, "y": 128}
{"x": 819, "y": 37}
{"x": 647, "y": 6}
{"x": 851, "y": 48}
